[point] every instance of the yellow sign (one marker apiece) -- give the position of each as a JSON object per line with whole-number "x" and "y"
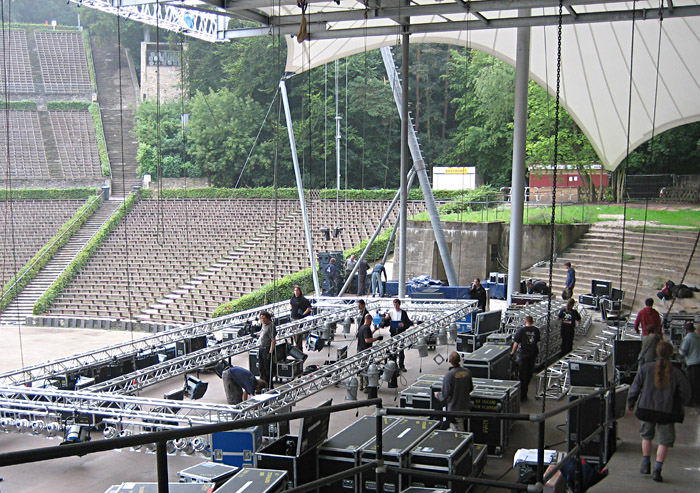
{"x": 458, "y": 171}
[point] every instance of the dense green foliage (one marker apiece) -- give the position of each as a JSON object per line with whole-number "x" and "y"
{"x": 20, "y": 105}
{"x": 461, "y": 103}
{"x": 32, "y": 268}
{"x": 81, "y": 260}
{"x": 49, "y": 193}
{"x": 292, "y": 193}
{"x": 67, "y": 105}
{"x": 94, "y": 109}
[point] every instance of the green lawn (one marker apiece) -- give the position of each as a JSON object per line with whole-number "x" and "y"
{"x": 568, "y": 214}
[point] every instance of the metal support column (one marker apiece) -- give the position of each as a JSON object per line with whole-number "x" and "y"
{"x": 404, "y": 165}
{"x": 419, "y": 168}
{"x": 517, "y": 196}
{"x": 300, "y": 187}
{"x": 338, "y": 136}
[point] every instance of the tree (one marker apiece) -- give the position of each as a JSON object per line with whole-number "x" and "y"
{"x": 221, "y": 131}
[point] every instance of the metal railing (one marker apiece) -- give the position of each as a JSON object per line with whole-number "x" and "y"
{"x": 161, "y": 438}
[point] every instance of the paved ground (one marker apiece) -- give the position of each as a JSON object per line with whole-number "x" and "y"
{"x": 95, "y": 473}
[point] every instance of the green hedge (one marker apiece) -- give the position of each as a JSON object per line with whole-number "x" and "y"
{"x": 83, "y": 257}
{"x": 291, "y": 193}
{"x": 67, "y": 105}
{"x": 94, "y": 109}
{"x": 24, "y": 26}
{"x": 88, "y": 54}
{"x": 47, "y": 251}
{"x": 20, "y": 105}
{"x": 50, "y": 193}
{"x": 229, "y": 193}
{"x": 282, "y": 289}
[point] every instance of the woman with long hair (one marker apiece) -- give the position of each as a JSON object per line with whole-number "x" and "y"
{"x": 662, "y": 389}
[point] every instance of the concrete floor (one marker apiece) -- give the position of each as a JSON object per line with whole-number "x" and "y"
{"x": 96, "y": 472}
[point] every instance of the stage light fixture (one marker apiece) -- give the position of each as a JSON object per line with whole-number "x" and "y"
{"x": 22, "y": 425}
{"x": 351, "y": 386}
{"x": 347, "y": 322}
{"x": 452, "y": 332}
{"x": 199, "y": 444}
{"x": 390, "y": 370}
{"x": 422, "y": 347}
{"x": 52, "y": 429}
{"x": 7, "y": 424}
{"x": 37, "y": 426}
{"x": 442, "y": 336}
{"x": 109, "y": 432}
{"x": 372, "y": 375}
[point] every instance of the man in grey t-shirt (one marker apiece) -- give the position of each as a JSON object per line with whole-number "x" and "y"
{"x": 266, "y": 341}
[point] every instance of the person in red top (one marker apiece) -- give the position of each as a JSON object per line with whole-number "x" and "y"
{"x": 646, "y": 317}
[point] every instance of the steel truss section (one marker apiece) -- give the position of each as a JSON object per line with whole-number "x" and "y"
{"x": 104, "y": 355}
{"x": 132, "y": 382}
{"x": 146, "y": 377}
{"x": 143, "y": 415}
{"x": 194, "y": 22}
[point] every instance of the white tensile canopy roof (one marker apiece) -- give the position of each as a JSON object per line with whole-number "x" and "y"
{"x": 596, "y": 60}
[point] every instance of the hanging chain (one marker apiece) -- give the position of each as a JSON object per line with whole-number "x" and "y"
{"x": 554, "y": 200}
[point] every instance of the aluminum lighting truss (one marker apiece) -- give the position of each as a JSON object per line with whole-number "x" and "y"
{"x": 137, "y": 380}
{"x": 104, "y": 355}
{"x": 37, "y": 411}
{"x": 555, "y": 379}
{"x": 193, "y": 21}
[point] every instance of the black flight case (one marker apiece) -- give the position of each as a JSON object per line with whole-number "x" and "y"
{"x": 397, "y": 442}
{"x": 490, "y": 431}
{"x": 490, "y": 361}
{"x": 255, "y": 480}
{"x": 297, "y": 454}
{"x": 342, "y": 452}
{"x": 448, "y": 452}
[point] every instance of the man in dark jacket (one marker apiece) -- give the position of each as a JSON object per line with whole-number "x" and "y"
{"x": 478, "y": 293}
{"x": 398, "y": 321}
{"x": 526, "y": 339}
{"x": 456, "y": 387}
{"x": 239, "y": 384}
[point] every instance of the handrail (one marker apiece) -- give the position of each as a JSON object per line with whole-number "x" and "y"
{"x": 27, "y": 269}
{"x": 161, "y": 437}
{"x": 79, "y": 449}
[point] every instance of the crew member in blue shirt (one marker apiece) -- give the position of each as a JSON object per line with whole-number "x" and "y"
{"x": 239, "y": 384}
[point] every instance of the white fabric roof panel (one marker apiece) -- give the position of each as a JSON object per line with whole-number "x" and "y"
{"x": 595, "y": 69}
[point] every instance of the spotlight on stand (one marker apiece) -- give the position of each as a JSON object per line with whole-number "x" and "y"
{"x": 452, "y": 332}
{"x": 37, "y": 426}
{"x": 109, "y": 432}
{"x": 346, "y": 325}
{"x": 21, "y": 425}
{"x": 422, "y": 348}
{"x": 351, "y": 389}
{"x": 170, "y": 447}
{"x": 372, "y": 375}
{"x": 326, "y": 233}
{"x": 336, "y": 231}
{"x": 180, "y": 443}
{"x": 52, "y": 430}
{"x": 199, "y": 444}
{"x": 442, "y": 336}
{"x": 327, "y": 331}
{"x": 76, "y": 434}
{"x": 6, "y": 424}
{"x": 389, "y": 370}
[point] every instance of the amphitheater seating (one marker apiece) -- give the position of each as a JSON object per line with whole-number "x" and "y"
{"x": 35, "y": 223}
{"x": 19, "y": 73}
{"x": 186, "y": 257}
{"x": 597, "y": 256}
{"x": 27, "y": 154}
{"x": 77, "y": 144}
{"x": 63, "y": 62}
